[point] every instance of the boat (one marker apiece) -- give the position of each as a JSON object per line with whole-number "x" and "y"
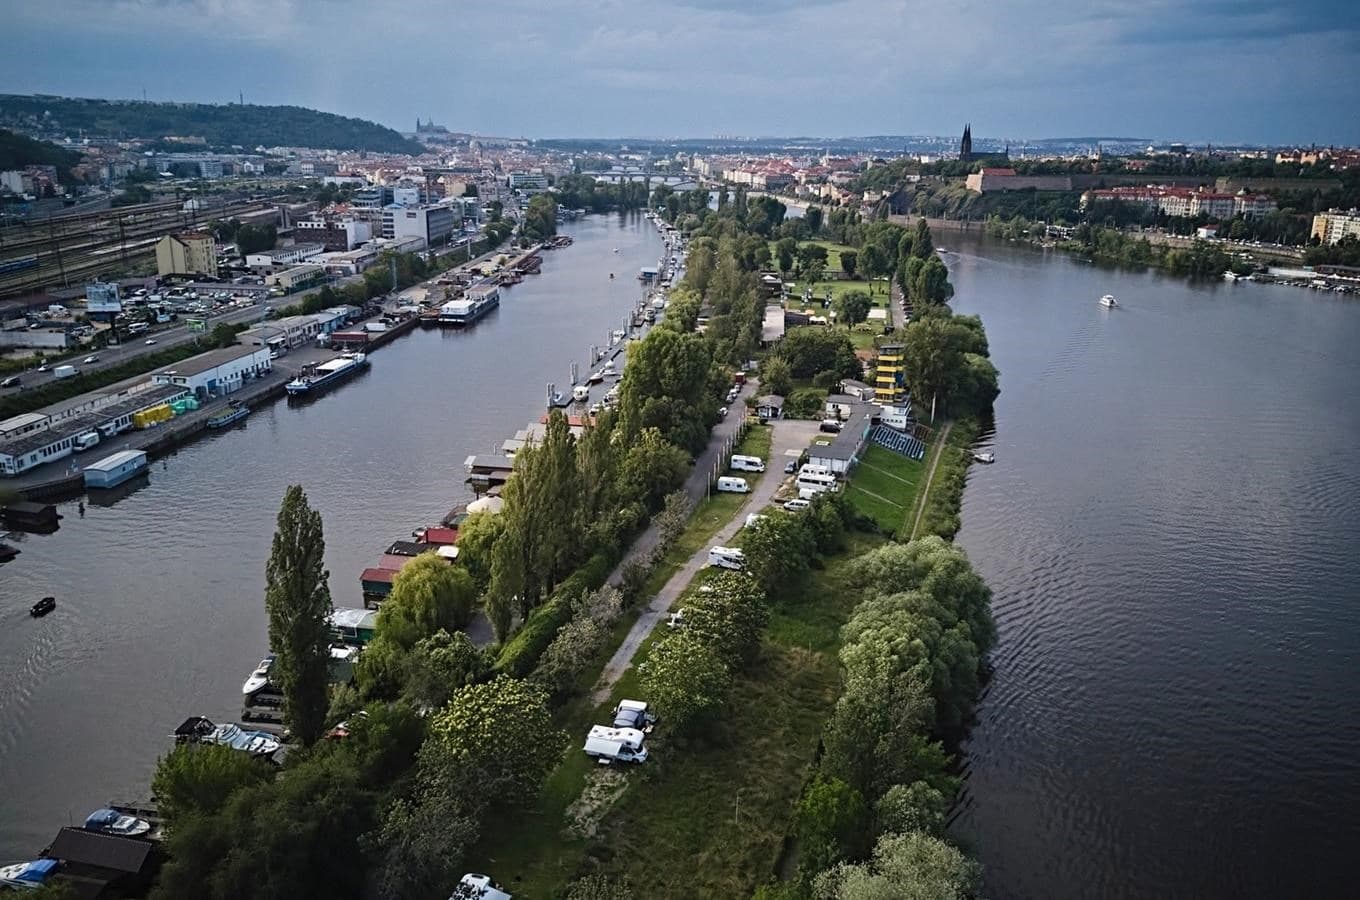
{"x": 595, "y": 377}
{"x": 7, "y": 552}
{"x": 27, "y": 875}
{"x": 259, "y": 679}
{"x": 111, "y": 821}
{"x": 608, "y": 370}
{"x": 42, "y": 607}
{"x": 256, "y": 743}
{"x": 611, "y": 276}
{"x": 616, "y": 249}
{"x": 580, "y": 393}
{"x": 557, "y": 398}
{"x": 1108, "y": 301}
{"x": 985, "y": 457}
{"x": 325, "y": 374}
{"x": 234, "y": 412}
{"x": 475, "y": 303}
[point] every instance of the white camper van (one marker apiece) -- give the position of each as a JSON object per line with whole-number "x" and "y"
{"x": 727, "y": 558}
{"x": 747, "y": 464}
{"x": 733, "y": 485}
{"x": 616, "y": 744}
{"x": 473, "y": 886}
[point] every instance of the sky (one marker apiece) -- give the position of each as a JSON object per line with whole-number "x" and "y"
{"x": 1225, "y": 71}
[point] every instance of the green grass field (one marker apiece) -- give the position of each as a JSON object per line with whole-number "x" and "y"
{"x": 884, "y": 486}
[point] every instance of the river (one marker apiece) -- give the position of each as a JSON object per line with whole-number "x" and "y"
{"x": 1170, "y": 530}
{"x": 161, "y": 610}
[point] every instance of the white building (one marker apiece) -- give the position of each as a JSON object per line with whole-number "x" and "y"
{"x": 217, "y": 372}
{"x": 535, "y": 180}
{"x": 283, "y": 256}
{"x": 432, "y": 224}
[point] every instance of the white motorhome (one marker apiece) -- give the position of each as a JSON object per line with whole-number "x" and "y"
{"x": 616, "y": 744}
{"x": 813, "y": 469}
{"x": 808, "y": 481}
{"x": 733, "y": 485}
{"x": 473, "y": 886}
{"x": 747, "y": 464}
{"x": 727, "y": 558}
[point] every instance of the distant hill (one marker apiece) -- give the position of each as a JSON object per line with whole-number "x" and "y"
{"x": 17, "y": 151}
{"x": 221, "y": 126}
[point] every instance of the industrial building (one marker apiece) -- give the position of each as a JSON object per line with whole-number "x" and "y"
{"x": 217, "y": 372}
{"x": 297, "y": 277}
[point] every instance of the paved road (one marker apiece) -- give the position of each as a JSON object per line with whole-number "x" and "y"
{"x": 788, "y": 435}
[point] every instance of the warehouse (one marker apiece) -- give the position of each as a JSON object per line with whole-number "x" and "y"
{"x": 217, "y": 372}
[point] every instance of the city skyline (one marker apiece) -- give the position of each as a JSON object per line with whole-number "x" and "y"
{"x": 602, "y": 68}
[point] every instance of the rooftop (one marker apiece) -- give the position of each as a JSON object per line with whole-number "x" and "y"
{"x": 204, "y": 362}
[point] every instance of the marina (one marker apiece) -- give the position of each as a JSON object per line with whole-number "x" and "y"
{"x": 162, "y": 590}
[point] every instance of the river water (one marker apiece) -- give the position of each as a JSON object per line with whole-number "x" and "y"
{"x": 161, "y": 611}
{"x": 1171, "y": 531}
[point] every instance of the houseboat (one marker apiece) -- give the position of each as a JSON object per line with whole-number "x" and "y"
{"x": 115, "y": 468}
{"x": 325, "y": 374}
{"x": 24, "y": 515}
{"x": 476, "y": 302}
{"x": 234, "y": 413}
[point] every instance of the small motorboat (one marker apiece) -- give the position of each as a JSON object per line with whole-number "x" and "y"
{"x": 984, "y": 457}
{"x": 1108, "y": 301}
{"x": 611, "y": 276}
{"x": 259, "y": 679}
{"x": 42, "y": 607}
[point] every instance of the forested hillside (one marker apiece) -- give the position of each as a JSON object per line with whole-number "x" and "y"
{"x": 221, "y": 126}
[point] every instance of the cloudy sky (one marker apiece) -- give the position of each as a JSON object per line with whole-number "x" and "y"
{"x": 1217, "y": 70}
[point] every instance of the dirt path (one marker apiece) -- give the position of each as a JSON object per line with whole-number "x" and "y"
{"x": 924, "y": 494}
{"x": 786, "y": 435}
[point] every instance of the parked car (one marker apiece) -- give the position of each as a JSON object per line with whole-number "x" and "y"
{"x": 722, "y": 412}
{"x": 790, "y": 467}
{"x": 11, "y": 381}
{"x": 149, "y": 341}
{"x": 91, "y": 359}
{"x": 796, "y": 505}
{"x": 831, "y": 426}
{"x": 44, "y": 368}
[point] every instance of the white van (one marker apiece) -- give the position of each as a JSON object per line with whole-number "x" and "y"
{"x": 85, "y": 441}
{"x": 733, "y": 485}
{"x": 811, "y": 469}
{"x": 727, "y": 558}
{"x": 616, "y": 744}
{"x": 747, "y": 464}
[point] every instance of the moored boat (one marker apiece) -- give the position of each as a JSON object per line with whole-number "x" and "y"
{"x": 234, "y": 413}
{"x": 323, "y": 375}
{"x": 475, "y": 303}
{"x": 259, "y": 679}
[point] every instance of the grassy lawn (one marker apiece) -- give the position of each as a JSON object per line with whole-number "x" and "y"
{"x": 704, "y": 817}
{"x": 891, "y": 477}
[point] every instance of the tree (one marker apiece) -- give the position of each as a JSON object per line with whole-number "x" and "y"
{"x": 477, "y": 535}
{"x": 784, "y": 251}
{"x": 651, "y": 468}
{"x": 811, "y": 261}
{"x": 440, "y": 664}
{"x": 496, "y": 735}
{"x": 686, "y": 679}
{"x": 429, "y": 594}
{"x": 256, "y": 239}
{"x": 599, "y": 887}
{"x": 830, "y": 823}
{"x": 224, "y": 335}
{"x": 298, "y": 600}
{"x": 852, "y": 307}
{"x": 904, "y": 867}
{"x": 579, "y": 641}
{"x": 873, "y": 263}
{"x": 810, "y": 350}
{"x": 729, "y": 615}
{"x": 918, "y": 806}
{"x": 813, "y": 217}
{"x": 199, "y": 780}
{"x": 776, "y": 376}
{"x": 779, "y": 551}
{"x": 540, "y": 218}
{"x": 932, "y": 283}
{"x": 849, "y": 259}
{"x": 922, "y": 247}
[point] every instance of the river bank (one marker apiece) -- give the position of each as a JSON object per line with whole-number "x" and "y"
{"x": 178, "y": 563}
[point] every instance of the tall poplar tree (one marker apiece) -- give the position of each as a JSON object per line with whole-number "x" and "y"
{"x": 298, "y": 599}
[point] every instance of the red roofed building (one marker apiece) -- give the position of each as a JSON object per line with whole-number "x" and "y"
{"x": 440, "y": 536}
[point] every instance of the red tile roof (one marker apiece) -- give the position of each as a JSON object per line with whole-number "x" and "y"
{"x": 383, "y": 576}
{"x": 440, "y": 536}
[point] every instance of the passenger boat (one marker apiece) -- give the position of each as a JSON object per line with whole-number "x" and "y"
{"x": 327, "y": 373}
{"x": 234, "y": 413}
{"x": 42, "y": 607}
{"x": 1108, "y": 301}
{"x": 477, "y": 302}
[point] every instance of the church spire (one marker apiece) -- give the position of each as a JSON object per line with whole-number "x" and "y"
{"x": 966, "y": 145}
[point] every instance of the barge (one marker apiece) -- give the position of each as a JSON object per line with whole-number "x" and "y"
{"x": 325, "y": 374}
{"x": 475, "y": 303}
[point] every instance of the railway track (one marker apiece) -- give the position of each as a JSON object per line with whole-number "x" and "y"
{"x": 93, "y": 244}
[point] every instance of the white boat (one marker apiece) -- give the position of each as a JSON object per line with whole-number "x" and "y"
{"x": 616, "y": 249}
{"x": 256, "y": 743}
{"x": 985, "y": 457}
{"x": 1108, "y": 301}
{"x": 1230, "y": 276}
{"x": 27, "y": 875}
{"x": 259, "y": 678}
{"x": 580, "y": 393}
